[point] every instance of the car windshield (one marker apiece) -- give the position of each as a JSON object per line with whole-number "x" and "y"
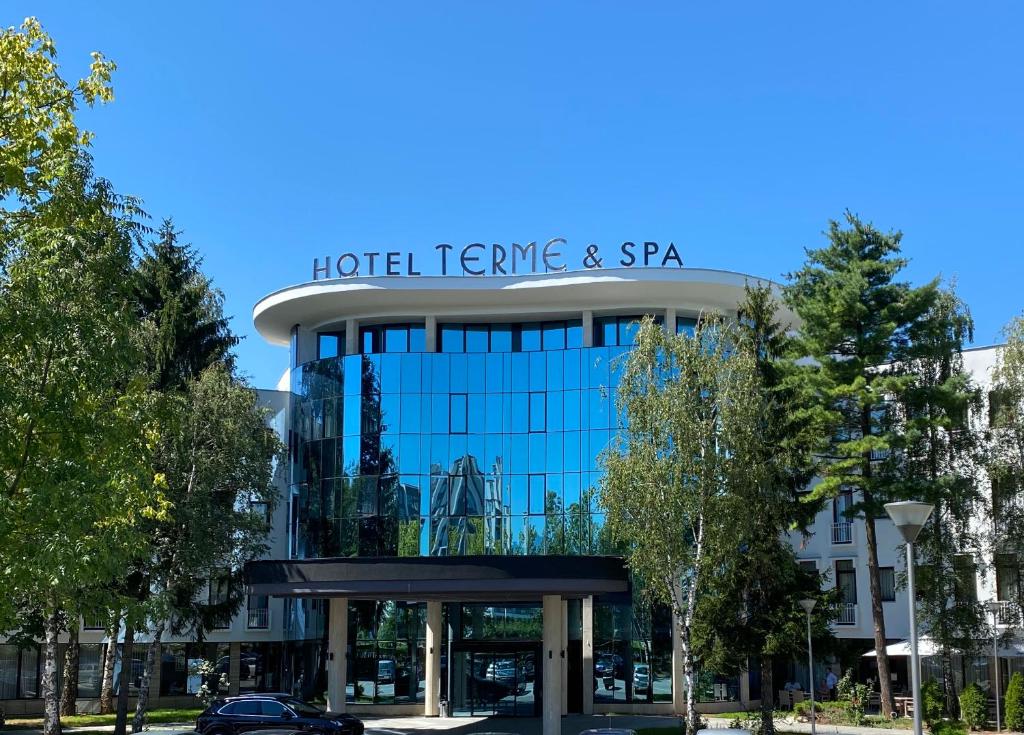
{"x": 302, "y": 708}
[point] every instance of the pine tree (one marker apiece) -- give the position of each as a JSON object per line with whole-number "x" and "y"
{"x": 857, "y": 320}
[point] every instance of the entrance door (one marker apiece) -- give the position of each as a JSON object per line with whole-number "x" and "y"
{"x": 496, "y": 678}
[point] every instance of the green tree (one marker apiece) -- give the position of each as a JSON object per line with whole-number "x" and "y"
{"x": 750, "y": 609}
{"x": 691, "y": 417}
{"x": 215, "y": 457}
{"x": 40, "y": 141}
{"x": 1005, "y": 463}
{"x": 857, "y": 319}
{"x": 936, "y": 458}
{"x": 75, "y": 417}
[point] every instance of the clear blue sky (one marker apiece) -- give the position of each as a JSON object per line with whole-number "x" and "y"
{"x": 274, "y": 132}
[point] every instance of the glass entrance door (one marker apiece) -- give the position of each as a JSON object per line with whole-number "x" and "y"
{"x": 496, "y": 679}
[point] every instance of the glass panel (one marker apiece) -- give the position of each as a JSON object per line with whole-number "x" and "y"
{"x": 396, "y": 338}
{"x": 530, "y": 336}
{"x": 458, "y": 414}
{"x": 574, "y": 334}
{"x": 417, "y": 338}
{"x": 538, "y": 411}
{"x": 554, "y": 335}
{"x": 328, "y": 345}
{"x": 453, "y": 338}
{"x": 501, "y": 338}
{"x": 8, "y": 671}
{"x": 477, "y": 337}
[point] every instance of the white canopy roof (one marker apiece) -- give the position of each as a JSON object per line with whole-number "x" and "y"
{"x": 927, "y": 647}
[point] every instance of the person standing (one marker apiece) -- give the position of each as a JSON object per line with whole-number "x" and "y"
{"x": 830, "y": 683}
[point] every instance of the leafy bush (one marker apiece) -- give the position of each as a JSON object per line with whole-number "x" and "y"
{"x": 974, "y": 707}
{"x": 1015, "y": 703}
{"x": 949, "y": 727}
{"x": 932, "y": 703}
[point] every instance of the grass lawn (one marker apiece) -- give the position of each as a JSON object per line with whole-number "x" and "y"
{"x": 156, "y": 716}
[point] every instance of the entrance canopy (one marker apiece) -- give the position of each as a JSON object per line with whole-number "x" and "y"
{"x": 486, "y": 578}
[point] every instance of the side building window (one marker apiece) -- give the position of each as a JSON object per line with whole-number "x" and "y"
{"x": 887, "y": 581}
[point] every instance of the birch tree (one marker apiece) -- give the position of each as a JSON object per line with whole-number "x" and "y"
{"x": 691, "y": 412}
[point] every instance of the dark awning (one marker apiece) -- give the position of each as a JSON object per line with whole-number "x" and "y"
{"x": 519, "y": 578}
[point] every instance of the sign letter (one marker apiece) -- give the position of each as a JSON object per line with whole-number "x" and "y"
{"x": 326, "y": 270}
{"x": 444, "y": 248}
{"x": 530, "y": 248}
{"x": 548, "y": 266}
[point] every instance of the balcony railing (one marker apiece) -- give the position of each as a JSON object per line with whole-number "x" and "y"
{"x": 842, "y": 533}
{"x": 1008, "y": 614}
{"x": 259, "y": 618}
{"x": 847, "y": 613}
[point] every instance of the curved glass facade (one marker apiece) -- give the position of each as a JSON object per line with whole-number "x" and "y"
{"x": 489, "y": 445}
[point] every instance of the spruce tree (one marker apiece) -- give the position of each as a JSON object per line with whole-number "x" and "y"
{"x": 857, "y": 320}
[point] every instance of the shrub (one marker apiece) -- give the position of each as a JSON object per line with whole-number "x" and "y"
{"x": 932, "y": 703}
{"x": 1015, "y": 703}
{"x": 974, "y": 707}
{"x": 949, "y": 727}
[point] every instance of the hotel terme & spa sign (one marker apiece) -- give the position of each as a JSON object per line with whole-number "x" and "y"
{"x": 478, "y": 259}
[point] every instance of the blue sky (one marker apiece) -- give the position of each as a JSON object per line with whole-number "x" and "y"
{"x": 276, "y": 132}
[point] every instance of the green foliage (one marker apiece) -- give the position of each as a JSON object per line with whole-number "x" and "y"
{"x": 858, "y": 320}
{"x": 40, "y": 141}
{"x": 1006, "y": 460}
{"x": 1015, "y": 703}
{"x": 932, "y": 703}
{"x": 76, "y": 421}
{"x": 692, "y": 442}
{"x": 853, "y": 697}
{"x": 974, "y": 707}
{"x": 948, "y": 727}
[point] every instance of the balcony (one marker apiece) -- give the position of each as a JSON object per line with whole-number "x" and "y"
{"x": 842, "y": 533}
{"x": 258, "y": 619}
{"x": 846, "y": 613}
{"x": 1008, "y": 614}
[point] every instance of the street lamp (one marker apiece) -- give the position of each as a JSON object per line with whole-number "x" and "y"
{"x": 909, "y": 517}
{"x": 808, "y": 605}
{"x": 993, "y": 607}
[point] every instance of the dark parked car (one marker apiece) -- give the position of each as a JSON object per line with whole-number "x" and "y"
{"x": 273, "y": 714}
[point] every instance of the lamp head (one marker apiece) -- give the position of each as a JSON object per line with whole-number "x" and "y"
{"x": 808, "y": 604}
{"x": 909, "y": 517}
{"x": 993, "y": 606}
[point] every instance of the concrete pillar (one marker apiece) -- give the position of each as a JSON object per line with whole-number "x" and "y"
{"x": 305, "y": 346}
{"x": 154, "y": 680}
{"x": 588, "y": 655}
{"x": 337, "y": 651}
{"x": 745, "y": 688}
{"x": 565, "y": 659}
{"x": 552, "y": 654}
{"x": 432, "y": 686}
{"x": 670, "y": 321}
{"x": 234, "y": 667}
{"x": 678, "y": 671}
{"x": 588, "y": 329}
{"x": 430, "y": 333}
{"x": 351, "y": 337}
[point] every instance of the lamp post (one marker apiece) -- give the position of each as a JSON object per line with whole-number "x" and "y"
{"x": 993, "y": 607}
{"x": 909, "y": 517}
{"x": 808, "y": 605}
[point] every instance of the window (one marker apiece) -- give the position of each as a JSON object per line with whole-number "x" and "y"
{"x": 965, "y": 580}
{"x": 846, "y": 581}
{"x": 686, "y": 326}
{"x": 270, "y": 708}
{"x": 258, "y": 609}
{"x": 998, "y": 405}
{"x": 1008, "y": 578}
{"x": 538, "y": 412}
{"x": 247, "y": 708}
{"x": 887, "y": 581}
{"x": 809, "y": 565}
{"x": 218, "y": 595}
{"x": 457, "y": 413}
{"x": 330, "y": 344}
